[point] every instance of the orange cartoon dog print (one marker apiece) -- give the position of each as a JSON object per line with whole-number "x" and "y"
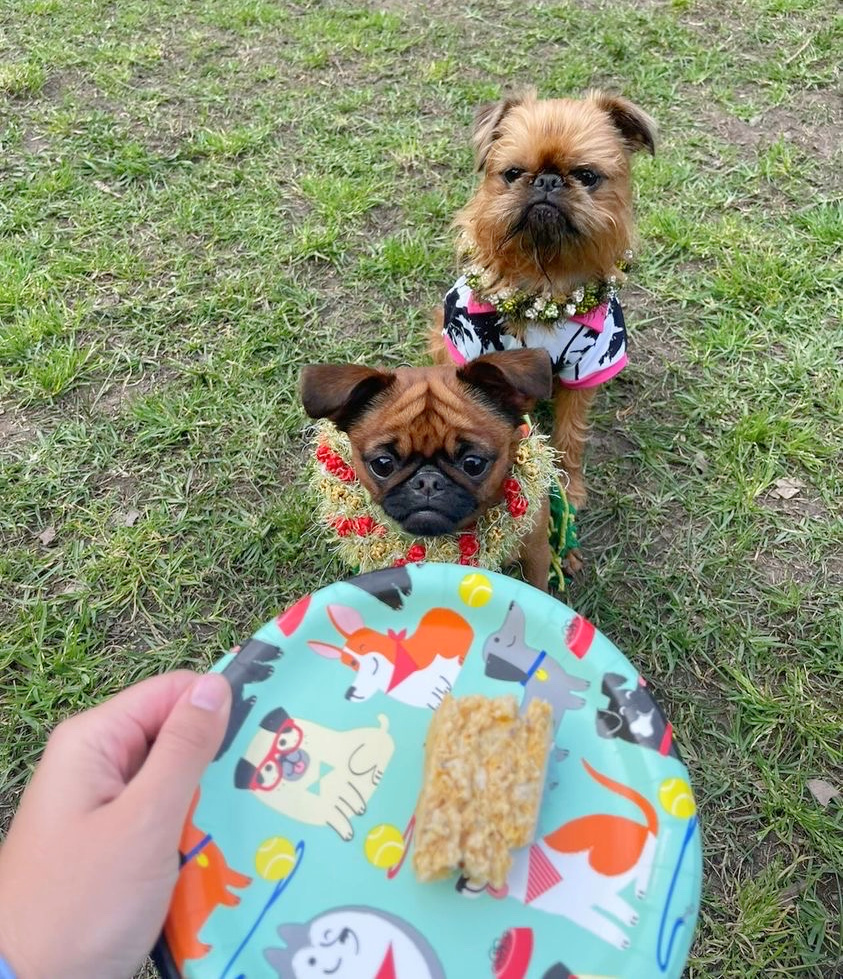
{"x": 579, "y": 870}
{"x": 312, "y": 773}
{"x": 202, "y": 886}
{"x": 418, "y": 670}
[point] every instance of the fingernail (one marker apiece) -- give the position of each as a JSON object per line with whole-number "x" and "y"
{"x": 209, "y": 692}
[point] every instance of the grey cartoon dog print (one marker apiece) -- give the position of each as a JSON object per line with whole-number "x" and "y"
{"x": 354, "y": 942}
{"x": 508, "y": 656}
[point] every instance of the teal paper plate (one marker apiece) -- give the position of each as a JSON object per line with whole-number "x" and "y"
{"x": 295, "y": 854}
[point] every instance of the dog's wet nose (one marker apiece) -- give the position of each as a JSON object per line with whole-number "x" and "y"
{"x": 428, "y": 481}
{"x": 547, "y": 182}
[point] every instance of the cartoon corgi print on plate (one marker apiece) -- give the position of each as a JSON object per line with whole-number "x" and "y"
{"x": 418, "y": 669}
{"x": 354, "y": 942}
{"x": 313, "y": 773}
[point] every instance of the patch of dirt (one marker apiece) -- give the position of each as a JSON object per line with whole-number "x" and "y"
{"x": 123, "y": 484}
{"x": 778, "y": 570}
{"x": 16, "y": 428}
{"x": 112, "y": 396}
{"x": 812, "y": 122}
{"x": 806, "y": 504}
{"x": 729, "y": 128}
{"x": 607, "y": 444}
{"x": 34, "y": 142}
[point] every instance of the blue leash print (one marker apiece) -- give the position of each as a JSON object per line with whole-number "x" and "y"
{"x": 679, "y": 922}
{"x": 280, "y": 887}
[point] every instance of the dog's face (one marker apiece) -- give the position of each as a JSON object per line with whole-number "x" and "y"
{"x": 555, "y": 200}
{"x": 432, "y": 445}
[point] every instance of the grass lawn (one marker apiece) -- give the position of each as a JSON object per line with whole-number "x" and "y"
{"x": 200, "y": 196}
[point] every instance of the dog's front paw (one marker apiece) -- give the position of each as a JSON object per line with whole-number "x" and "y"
{"x": 573, "y": 562}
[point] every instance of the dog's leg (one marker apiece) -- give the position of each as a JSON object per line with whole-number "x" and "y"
{"x": 613, "y": 904}
{"x": 645, "y": 867}
{"x": 570, "y": 433}
{"x": 535, "y": 550}
{"x": 435, "y": 341}
{"x": 339, "y": 822}
{"x": 578, "y": 910}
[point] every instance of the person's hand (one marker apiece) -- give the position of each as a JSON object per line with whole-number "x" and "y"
{"x": 91, "y": 858}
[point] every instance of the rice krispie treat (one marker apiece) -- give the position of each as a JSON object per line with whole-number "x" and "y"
{"x": 484, "y": 774}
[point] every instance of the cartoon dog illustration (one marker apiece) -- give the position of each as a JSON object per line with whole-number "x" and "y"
{"x": 354, "y": 942}
{"x": 252, "y": 663}
{"x": 579, "y": 869}
{"x": 508, "y": 657}
{"x": 312, "y": 773}
{"x": 633, "y": 715}
{"x": 389, "y": 585}
{"x": 203, "y": 885}
{"x": 418, "y": 670}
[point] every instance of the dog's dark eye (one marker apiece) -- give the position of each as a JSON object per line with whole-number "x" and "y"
{"x": 474, "y": 465}
{"x": 382, "y": 466}
{"x": 588, "y": 178}
{"x": 512, "y": 174}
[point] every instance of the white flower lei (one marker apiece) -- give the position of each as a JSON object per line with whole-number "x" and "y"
{"x": 517, "y": 303}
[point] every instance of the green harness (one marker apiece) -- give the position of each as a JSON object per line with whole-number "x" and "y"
{"x": 562, "y": 533}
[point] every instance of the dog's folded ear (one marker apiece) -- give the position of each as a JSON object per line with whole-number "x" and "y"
{"x": 635, "y": 126}
{"x": 341, "y": 392}
{"x": 512, "y": 380}
{"x": 487, "y": 120}
{"x": 244, "y": 772}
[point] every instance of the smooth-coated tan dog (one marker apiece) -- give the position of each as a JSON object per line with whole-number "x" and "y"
{"x": 545, "y": 240}
{"x": 433, "y": 445}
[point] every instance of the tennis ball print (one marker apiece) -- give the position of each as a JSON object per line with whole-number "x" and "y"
{"x": 475, "y": 590}
{"x": 384, "y": 846}
{"x": 676, "y": 798}
{"x": 275, "y": 858}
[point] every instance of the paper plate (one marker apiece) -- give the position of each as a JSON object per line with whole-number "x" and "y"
{"x": 295, "y": 854}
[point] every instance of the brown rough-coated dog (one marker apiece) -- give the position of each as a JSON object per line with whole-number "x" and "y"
{"x": 552, "y": 216}
{"x": 433, "y": 445}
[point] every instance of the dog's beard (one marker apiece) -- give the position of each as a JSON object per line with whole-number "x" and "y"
{"x": 544, "y": 228}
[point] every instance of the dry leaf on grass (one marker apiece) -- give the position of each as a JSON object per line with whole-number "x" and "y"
{"x": 822, "y": 791}
{"x": 100, "y": 185}
{"x": 130, "y": 518}
{"x": 47, "y": 536}
{"x": 787, "y": 487}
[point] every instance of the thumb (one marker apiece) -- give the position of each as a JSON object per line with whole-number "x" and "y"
{"x": 183, "y": 748}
